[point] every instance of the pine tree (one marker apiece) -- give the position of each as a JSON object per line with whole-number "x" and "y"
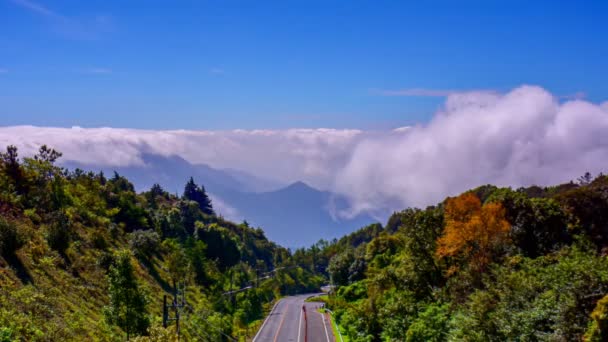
{"x": 155, "y": 192}
{"x": 193, "y": 192}
{"x": 11, "y": 167}
{"x": 128, "y": 303}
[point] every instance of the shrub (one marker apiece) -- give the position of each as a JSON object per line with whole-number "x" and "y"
{"x": 58, "y": 234}
{"x": 6, "y": 334}
{"x": 431, "y": 324}
{"x": 105, "y": 260}
{"x": 10, "y": 238}
{"x": 128, "y": 302}
{"x": 99, "y": 240}
{"x": 144, "y": 242}
{"x": 598, "y": 329}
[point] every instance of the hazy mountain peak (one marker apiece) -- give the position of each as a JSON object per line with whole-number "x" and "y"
{"x": 299, "y": 186}
{"x": 295, "y": 215}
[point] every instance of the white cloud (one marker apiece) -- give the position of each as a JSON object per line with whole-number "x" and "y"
{"x": 402, "y": 129}
{"x": 311, "y": 155}
{"x": 224, "y": 209}
{"x": 522, "y": 137}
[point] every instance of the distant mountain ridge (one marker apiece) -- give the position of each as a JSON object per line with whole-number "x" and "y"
{"x": 295, "y": 215}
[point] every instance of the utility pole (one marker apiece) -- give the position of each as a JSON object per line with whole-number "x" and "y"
{"x": 179, "y": 302}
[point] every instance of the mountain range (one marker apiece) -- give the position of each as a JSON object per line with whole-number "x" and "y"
{"x": 293, "y": 215}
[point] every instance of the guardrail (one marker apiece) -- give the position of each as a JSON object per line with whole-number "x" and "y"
{"x": 337, "y": 327}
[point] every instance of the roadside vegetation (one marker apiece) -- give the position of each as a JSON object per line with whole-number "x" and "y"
{"x": 492, "y": 264}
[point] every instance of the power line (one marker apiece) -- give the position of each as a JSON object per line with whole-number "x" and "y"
{"x": 179, "y": 302}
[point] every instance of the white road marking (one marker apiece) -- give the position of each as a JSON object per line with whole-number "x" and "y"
{"x": 266, "y": 320}
{"x": 324, "y": 326}
{"x": 281, "y": 324}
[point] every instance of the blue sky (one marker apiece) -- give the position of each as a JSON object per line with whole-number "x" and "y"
{"x": 278, "y": 64}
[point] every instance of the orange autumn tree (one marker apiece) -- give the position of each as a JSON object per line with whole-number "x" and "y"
{"x": 473, "y": 232}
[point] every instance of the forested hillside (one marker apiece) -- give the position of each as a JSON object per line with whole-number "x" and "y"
{"x": 85, "y": 257}
{"x": 492, "y": 264}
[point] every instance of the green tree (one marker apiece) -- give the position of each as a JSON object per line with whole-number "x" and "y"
{"x": 539, "y": 225}
{"x": 431, "y": 325}
{"x": 11, "y": 167}
{"x": 598, "y": 329}
{"x": 221, "y": 245}
{"x": 548, "y": 298}
{"x": 196, "y": 254}
{"x": 128, "y": 303}
{"x": 588, "y": 207}
{"x": 339, "y": 267}
{"x": 59, "y": 233}
{"x": 178, "y": 264}
{"x": 193, "y": 192}
{"x": 144, "y": 243}
{"x": 155, "y": 192}
{"x": 415, "y": 266}
{"x": 10, "y": 238}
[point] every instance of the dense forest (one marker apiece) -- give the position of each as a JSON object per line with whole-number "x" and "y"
{"x": 85, "y": 257}
{"x": 492, "y": 264}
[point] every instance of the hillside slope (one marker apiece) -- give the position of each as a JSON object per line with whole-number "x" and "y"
{"x": 492, "y": 264}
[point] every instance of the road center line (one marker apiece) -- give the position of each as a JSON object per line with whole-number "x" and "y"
{"x": 282, "y": 321}
{"x": 266, "y": 320}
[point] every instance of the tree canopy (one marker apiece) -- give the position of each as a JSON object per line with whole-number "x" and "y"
{"x": 193, "y": 192}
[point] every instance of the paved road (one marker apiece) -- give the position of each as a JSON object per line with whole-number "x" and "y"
{"x": 288, "y": 323}
{"x": 318, "y": 326}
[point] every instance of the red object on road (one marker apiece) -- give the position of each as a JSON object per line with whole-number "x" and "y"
{"x": 305, "y": 324}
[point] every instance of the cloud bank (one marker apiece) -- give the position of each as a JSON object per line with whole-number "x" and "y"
{"x": 520, "y": 138}
{"x": 310, "y": 155}
{"x": 523, "y": 137}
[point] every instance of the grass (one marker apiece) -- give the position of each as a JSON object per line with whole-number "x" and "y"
{"x": 335, "y": 328}
{"x": 253, "y": 327}
{"x": 321, "y": 298}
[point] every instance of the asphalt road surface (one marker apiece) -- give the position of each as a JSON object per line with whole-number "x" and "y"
{"x": 288, "y": 322}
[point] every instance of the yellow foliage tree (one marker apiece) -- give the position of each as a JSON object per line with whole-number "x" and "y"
{"x": 473, "y": 231}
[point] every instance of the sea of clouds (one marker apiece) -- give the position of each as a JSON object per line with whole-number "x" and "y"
{"x": 522, "y": 137}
